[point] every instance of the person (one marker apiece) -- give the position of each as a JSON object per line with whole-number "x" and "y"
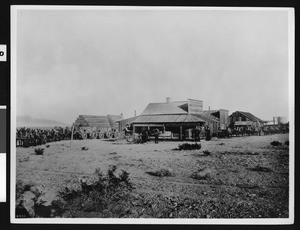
{"x": 155, "y": 134}
{"x": 207, "y": 131}
{"x": 196, "y": 132}
{"x": 127, "y": 129}
{"x": 144, "y": 136}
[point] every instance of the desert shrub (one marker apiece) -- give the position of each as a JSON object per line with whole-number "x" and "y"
{"x": 47, "y": 146}
{"x": 259, "y": 168}
{"x": 161, "y": 172}
{"x": 103, "y": 194}
{"x": 222, "y": 143}
{"x": 202, "y": 174}
{"x": 84, "y": 148}
{"x": 38, "y": 208}
{"x": 239, "y": 153}
{"x": 187, "y": 146}
{"x": 206, "y": 153}
{"x": 21, "y": 211}
{"x": 275, "y": 143}
{"x": 39, "y": 151}
{"x": 286, "y": 142}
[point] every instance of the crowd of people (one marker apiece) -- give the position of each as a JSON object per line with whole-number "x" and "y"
{"x": 32, "y": 137}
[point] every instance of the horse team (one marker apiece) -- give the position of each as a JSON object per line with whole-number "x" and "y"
{"x": 253, "y": 131}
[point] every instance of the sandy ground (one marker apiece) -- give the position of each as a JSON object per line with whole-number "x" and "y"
{"x": 230, "y": 162}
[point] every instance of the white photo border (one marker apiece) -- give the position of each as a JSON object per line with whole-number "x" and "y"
{"x": 248, "y": 221}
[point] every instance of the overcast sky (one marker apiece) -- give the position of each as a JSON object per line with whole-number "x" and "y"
{"x": 116, "y": 61}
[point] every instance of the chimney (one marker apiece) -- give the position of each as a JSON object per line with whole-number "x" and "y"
{"x": 168, "y": 99}
{"x": 135, "y": 113}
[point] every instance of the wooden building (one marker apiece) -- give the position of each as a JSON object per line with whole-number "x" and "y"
{"x": 245, "y": 119}
{"x": 221, "y": 115}
{"x": 178, "y": 117}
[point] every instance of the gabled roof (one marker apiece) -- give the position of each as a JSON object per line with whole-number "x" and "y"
{"x": 178, "y": 103}
{"x": 207, "y": 117}
{"x": 173, "y": 118}
{"x": 162, "y": 108}
{"x": 250, "y": 116}
{"x": 207, "y": 113}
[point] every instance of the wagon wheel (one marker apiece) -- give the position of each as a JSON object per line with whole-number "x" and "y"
{"x": 129, "y": 138}
{"x": 138, "y": 138}
{"x": 109, "y": 134}
{"x": 116, "y": 134}
{"x": 101, "y": 135}
{"x": 84, "y": 136}
{"x": 93, "y": 135}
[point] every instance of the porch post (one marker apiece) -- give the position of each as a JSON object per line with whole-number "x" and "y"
{"x": 180, "y": 135}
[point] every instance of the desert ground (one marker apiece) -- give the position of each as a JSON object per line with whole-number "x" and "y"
{"x": 240, "y": 177}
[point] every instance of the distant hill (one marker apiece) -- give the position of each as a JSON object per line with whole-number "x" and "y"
{"x": 29, "y": 121}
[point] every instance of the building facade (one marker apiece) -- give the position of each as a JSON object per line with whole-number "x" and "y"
{"x": 178, "y": 117}
{"x": 245, "y": 119}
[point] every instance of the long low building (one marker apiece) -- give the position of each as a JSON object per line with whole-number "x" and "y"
{"x": 178, "y": 117}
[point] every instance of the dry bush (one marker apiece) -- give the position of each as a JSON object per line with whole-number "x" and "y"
{"x": 276, "y": 143}
{"x": 202, "y": 174}
{"x": 206, "y": 153}
{"x": 287, "y": 143}
{"x": 104, "y": 194}
{"x": 259, "y": 168}
{"x": 161, "y": 172}
{"x": 187, "y": 146}
{"x": 39, "y": 151}
{"x": 37, "y": 210}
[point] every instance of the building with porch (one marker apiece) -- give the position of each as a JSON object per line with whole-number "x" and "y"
{"x": 178, "y": 118}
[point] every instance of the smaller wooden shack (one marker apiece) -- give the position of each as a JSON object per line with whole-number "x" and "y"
{"x": 245, "y": 119}
{"x": 220, "y": 114}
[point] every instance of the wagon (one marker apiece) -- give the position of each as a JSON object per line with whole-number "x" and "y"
{"x": 94, "y": 133}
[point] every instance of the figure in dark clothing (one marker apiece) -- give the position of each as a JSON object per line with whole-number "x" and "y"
{"x": 207, "y": 132}
{"x": 155, "y": 134}
{"x": 128, "y": 129}
{"x": 196, "y": 132}
{"x": 144, "y": 136}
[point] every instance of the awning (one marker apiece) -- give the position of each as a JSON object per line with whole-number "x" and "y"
{"x": 178, "y": 118}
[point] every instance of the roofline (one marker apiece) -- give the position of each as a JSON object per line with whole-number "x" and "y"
{"x": 163, "y": 122}
{"x": 206, "y": 110}
{"x": 247, "y": 116}
{"x": 194, "y": 99}
{"x": 163, "y": 114}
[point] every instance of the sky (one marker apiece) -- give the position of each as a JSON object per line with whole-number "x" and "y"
{"x": 99, "y": 62}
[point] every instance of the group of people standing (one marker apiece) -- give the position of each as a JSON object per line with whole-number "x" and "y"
{"x": 198, "y": 132}
{"x": 145, "y": 133}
